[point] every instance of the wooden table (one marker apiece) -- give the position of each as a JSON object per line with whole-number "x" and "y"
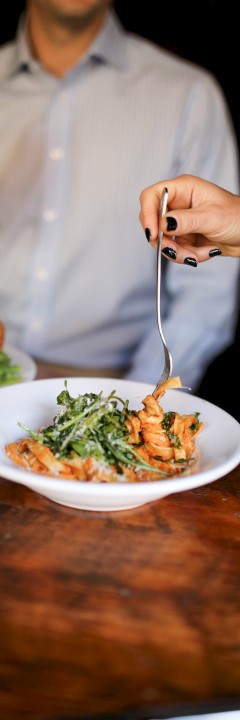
{"x": 126, "y": 615}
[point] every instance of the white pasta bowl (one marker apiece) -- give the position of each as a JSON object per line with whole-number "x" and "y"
{"x": 34, "y": 405}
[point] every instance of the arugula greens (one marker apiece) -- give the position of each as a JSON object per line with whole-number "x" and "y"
{"x": 91, "y": 425}
{"x": 9, "y": 373}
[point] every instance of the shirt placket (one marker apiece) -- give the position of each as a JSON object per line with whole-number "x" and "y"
{"x": 51, "y": 221}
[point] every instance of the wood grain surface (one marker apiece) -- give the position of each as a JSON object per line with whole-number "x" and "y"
{"x": 121, "y": 612}
{"x": 130, "y": 614}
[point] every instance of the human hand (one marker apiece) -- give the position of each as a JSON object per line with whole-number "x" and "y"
{"x": 202, "y": 219}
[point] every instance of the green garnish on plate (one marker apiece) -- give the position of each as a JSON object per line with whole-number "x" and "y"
{"x": 94, "y": 426}
{"x": 9, "y": 373}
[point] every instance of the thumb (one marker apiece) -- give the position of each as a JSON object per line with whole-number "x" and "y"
{"x": 185, "y": 222}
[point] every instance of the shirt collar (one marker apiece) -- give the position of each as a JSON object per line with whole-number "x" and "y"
{"x": 109, "y": 47}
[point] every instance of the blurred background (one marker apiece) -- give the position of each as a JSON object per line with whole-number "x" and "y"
{"x": 206, "y": 33}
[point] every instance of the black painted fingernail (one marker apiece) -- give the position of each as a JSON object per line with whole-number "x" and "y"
{"x": 190, "y": 261}
{"x": 171, "y": 223}
{"x": 169, "y": 252}
{"x": 213, "y": 253}
{"x": 148, "y": 234}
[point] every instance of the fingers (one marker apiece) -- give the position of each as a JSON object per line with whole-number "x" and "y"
{"x": 149, "y": 213}
{"x": 175, "y": 252}
{"x": 179, "y": 196}
{"x": 186, "y": 253}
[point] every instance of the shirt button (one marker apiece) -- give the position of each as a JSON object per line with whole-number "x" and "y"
{"x": 50, "y": 215}
{"x": 42, "y": 274}
{"x": 56, "y": 153}
{"x": 36, "y": 325}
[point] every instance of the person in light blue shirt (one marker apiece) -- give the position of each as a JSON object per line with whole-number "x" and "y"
{"x": 89, "y": 115}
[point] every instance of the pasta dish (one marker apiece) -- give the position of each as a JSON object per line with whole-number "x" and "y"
{"x": 96, "y": 438}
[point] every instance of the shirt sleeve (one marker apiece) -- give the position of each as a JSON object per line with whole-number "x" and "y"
{"x": 199, "y": 305}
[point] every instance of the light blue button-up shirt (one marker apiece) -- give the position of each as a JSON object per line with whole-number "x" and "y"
{"x": 77, "y": 277}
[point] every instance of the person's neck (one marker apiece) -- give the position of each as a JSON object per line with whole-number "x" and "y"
{"x": 58, "y": 48}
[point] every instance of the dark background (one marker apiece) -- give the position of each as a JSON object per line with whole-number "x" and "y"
{"x": 208, "y": 34}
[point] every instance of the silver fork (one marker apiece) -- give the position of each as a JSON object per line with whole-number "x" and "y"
{"x": 167, "y": 370}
